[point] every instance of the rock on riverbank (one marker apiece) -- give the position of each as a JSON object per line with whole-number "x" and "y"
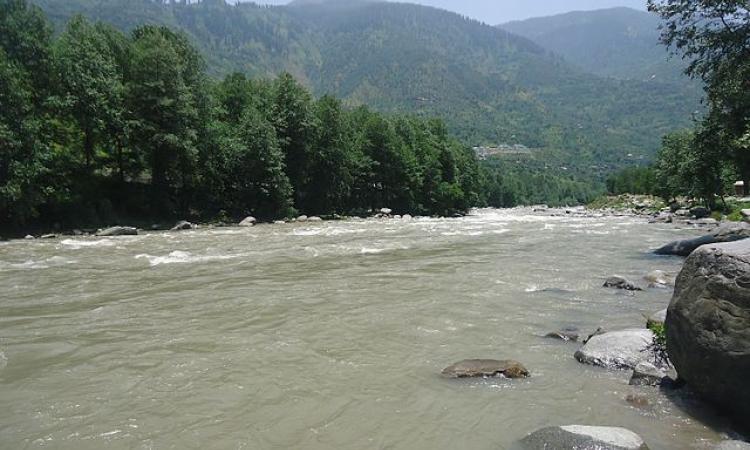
{"x": 581, "y": 437}
{"x": 708, "y": 326}
{"x": 725, "y": 233}
{"x": 622, "y": 349}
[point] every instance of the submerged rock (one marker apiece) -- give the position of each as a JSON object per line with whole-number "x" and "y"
{"x": 646, "y": 374}
{"x": 708, "y": 326}
{"x": 566, "y": 334}
{"x": 657, "y": 318}
{"x": 638, "y": 400}
{"x": 616, "y": 282}
{"x": 183, "y": 225}
{"x": 622, "y": 349}
{"x": 659, "y": 278}
{"x": 580, "y": 437}
{"x": 118, "y": 231}
{"x": 248, "y": 221}
{"x": 479, "y": 368}
{"x": 728, "y": 233}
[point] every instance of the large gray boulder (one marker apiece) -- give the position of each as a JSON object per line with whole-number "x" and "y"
{"x": 725, "y": 233}
{"x": 622, "y": 349}
{"x": 708, "y": 326}
{"x": 579, "y": 437}
{"x": 485, "y": 368}
{"x": 118, "y": 231}
{"x": 248, "y": 221}
{"x": 183, "y": 225}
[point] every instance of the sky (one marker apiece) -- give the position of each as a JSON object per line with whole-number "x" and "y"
{"x": 500, "y": 11}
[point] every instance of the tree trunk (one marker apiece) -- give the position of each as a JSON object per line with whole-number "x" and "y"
{"x": 88, "y": 146}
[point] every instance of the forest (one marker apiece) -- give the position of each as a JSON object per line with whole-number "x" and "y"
{"x": 705, "y": 161}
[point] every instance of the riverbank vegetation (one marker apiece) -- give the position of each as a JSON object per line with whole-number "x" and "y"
{"x": 97, "y": 125}
{"x": 704, "y": 163}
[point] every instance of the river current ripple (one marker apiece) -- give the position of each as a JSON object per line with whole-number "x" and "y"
{"x": 326, "y": 335}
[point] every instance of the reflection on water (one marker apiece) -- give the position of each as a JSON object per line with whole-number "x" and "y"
{"x": 324, "y": 335}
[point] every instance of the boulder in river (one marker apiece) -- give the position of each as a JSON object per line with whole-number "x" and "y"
{"x": 733, "y": 445}
{"x": 622, "y": 349}
{"x": 657, "y": 318}
{"x": 708, "y": 326}
{"x": 617, "y": 282}
{"x": 485, "y": 368}
{"x": 725, "y": 233}
{"x": 646, "y": 374}
{"x": 248, "y": 221}
{"x": 386, "y": 211}
{"x": 302, "y": 218}
{"x": 314, "y": 219}
{"x": 580, "y": 437}
{"x": 183, "y": 225}
{"x": 566, "y": 334}
{"x": 118, "y": 231}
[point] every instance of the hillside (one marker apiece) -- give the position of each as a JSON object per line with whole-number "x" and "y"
{"x": 491, "y": 86}
{"x": 621, "y": 43}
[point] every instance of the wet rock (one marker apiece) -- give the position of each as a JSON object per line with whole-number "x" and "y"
{"x": 183, "y": 225}
{"x": 598, "y": 331}
{"x": 386, "y": 211}
{"x": 622, "y": 349}
{"x": 48, "y": 236}
{"x": 700, "y": 212}
{"x": 118, "y": 231}
{"x": 657, "y": 318}
{"x": 302, "y": 218}
{"x": 580, "y": 437}
{"x": 248, "y": 221}
{"x": 725, "y": 233}
{"x": 484, "y": 368}
{"x": 733, "y": 445}
{"x": 279, "y": 222}
{"x": 314, "y": 219}
{"x": 682, "y": 212}
{"x": 708, "y": 326}
{"x": 407, "y": 217}
{"x": 566, "y": 334}
{"x": 662, "y": 218}
{"x": 616, "y": 282}
{"x": 707, "y": 222}
{"x": 745, "y": 213}
{"x": 646, "y": 374}
{"x": 29, "y": 237}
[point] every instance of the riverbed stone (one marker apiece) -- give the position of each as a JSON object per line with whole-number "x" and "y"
{"x": 622, "y": 349}
{"x": 657, "y": 318}
{"x": 646, "y": 374}
{"x": 118, "y": 231}
{"x": 659, "y": 278}
{"x": 248, "y": 221}
{"x": 733, "y": 445}
{"x": 485, "y": 368}
{"x": 581, "y": 437}
{"x": 386, "y": 211}
{"x": 568, "y": 334}
{"x": 183, "y": 225}
{"x": 700, "y": 212}
{"x": 708, "y": 326}
{"x": 314, "y": 219}
{"x": 725, "y": 233}
{"x": 617, "y": 282}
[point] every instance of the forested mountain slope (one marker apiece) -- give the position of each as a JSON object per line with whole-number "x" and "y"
{"x": 621, "y": 43}
{"x": 490, "y": 86}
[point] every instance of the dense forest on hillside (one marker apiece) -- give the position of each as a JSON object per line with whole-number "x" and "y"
{"x": 490, "y": 86}
{"x": 621, "y": 43}
{"x": 98, "y": 126}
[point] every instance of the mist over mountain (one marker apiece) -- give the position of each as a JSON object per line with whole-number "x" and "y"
{"x": 490, "y": 85}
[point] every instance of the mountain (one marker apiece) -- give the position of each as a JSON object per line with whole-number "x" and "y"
{"x": 621, "y": 43}
{"x": 491, "y": 86}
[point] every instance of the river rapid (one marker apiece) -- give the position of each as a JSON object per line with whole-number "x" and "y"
{"x": 327, "y": 335}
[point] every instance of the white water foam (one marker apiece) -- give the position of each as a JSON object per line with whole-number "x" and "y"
{"x": 180, "y": 257}
{"x": 77, "y": 244}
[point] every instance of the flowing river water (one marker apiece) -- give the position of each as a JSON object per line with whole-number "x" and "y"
{"x": 327, "y": 335}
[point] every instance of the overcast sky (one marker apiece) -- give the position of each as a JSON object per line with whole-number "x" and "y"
{"x": 499, "y": 11}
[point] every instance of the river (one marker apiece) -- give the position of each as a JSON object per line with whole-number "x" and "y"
{"x": 327, "y": 335}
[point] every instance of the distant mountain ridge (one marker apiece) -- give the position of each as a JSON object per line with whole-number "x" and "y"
{"x": 620, "y": 43}
{"x": 490, "y": 85}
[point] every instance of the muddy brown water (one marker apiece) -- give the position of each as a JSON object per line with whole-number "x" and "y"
{"x": 327, "y": 335}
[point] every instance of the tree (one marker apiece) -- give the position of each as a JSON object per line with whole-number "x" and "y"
{"x": 164, "y": 93}
{"x": 92, "y": 83}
